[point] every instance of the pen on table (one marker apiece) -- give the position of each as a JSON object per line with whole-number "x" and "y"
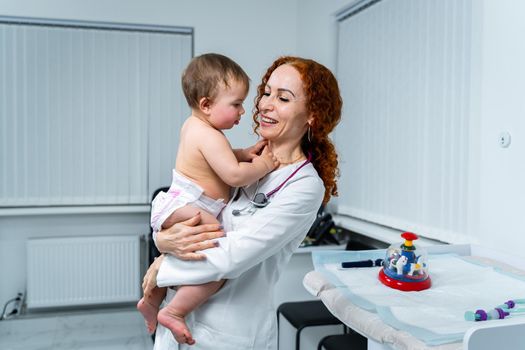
{"x": 362, "y": 263}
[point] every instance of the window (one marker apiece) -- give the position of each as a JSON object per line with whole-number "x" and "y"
{"x": 89, "y": 112}
{"x": 405, "y": 69}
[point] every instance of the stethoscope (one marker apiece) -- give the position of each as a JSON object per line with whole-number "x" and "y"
{"x": 260, "y": 199}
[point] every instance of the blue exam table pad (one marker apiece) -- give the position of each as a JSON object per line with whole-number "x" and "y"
{"x": 436, "y": 315}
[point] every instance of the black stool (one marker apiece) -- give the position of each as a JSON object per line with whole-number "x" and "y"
{"x": 302, "y": 314}
{"x": 349, "y": 341}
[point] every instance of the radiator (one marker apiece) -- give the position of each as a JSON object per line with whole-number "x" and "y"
{"x": 75, "y": 271}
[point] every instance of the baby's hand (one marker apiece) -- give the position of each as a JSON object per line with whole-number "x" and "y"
{"x": 253, "y": 151}
{"x": 268, "y": 159}
{"x": 150, "y": 278}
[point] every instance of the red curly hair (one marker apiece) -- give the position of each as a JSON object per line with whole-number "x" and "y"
{"x": 324, "y": 101}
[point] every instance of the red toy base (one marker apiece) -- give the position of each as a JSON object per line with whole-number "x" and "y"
{"x": 404, "y": 286}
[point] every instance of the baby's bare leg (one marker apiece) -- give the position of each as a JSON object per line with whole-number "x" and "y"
{"x": 187, "y": 212}
{"x": 187, "y": 299}
{"x": 149, "y": 307}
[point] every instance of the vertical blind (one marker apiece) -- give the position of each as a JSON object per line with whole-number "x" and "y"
{"x": 405, "y": 74}
{"x": 89, "y": 113}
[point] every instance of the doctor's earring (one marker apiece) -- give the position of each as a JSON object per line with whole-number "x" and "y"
{"x": 309, "y": 134}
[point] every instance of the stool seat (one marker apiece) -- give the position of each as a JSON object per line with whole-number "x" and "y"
{"x": 349, "y": 341}
{"x": 302, "y": 314}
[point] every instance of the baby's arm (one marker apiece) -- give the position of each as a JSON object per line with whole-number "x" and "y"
{"x": 247, "y": 154}
{"x": 218, "y": 153}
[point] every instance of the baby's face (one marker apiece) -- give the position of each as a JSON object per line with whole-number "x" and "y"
{"x": 227, "y": 108}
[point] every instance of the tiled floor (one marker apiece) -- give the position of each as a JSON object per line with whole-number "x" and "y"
{"x": 92, "y": 330}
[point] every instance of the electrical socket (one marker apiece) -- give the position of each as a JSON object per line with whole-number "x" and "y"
{"x": 504, "y": 139}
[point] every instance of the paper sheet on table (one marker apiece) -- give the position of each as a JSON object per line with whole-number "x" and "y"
{"x": 435, "y": 315}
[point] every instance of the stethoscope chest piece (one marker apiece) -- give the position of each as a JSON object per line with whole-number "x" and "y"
{"x": 260, "y": 200}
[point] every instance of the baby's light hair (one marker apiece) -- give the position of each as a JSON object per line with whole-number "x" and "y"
{"x": 205, "y": 74}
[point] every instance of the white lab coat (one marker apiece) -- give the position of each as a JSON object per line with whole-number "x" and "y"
{"x": 242, "y": 314}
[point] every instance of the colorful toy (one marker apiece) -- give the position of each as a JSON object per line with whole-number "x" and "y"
{"x": 405, "y": 267}
{"x": 498, "y": 313}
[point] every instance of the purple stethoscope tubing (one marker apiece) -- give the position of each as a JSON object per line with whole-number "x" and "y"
{"x": 264, "y": 202}
{"x": 272, "y": 192}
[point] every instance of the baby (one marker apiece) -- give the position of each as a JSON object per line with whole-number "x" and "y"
{"x": 206, "y": 168}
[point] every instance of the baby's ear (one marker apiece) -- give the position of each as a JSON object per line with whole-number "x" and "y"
{"x": 205, "y": 104}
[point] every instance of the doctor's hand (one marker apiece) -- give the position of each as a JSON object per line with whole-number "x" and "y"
{"x": 186, "y": 238}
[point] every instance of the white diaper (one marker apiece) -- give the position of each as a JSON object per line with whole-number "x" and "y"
{"x": 181, "y": 192}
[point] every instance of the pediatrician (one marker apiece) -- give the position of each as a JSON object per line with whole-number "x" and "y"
{"x": 297, "y": 105}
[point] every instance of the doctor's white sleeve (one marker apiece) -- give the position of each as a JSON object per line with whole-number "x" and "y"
{"x": 289, "y": 215}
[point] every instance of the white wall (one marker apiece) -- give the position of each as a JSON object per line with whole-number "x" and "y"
{"x": 14, "y": 231}
{"x": 317, "y": 30}
{"x": 317, "y": 39}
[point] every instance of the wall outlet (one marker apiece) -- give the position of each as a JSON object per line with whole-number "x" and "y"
{"x": 504, "y": 139}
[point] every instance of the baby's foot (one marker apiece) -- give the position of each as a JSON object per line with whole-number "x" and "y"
{"x": 177, "y": 325}
{"x": 149, "y": 312}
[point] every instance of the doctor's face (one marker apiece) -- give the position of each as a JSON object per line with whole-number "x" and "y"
{"x": 283, "y": 115}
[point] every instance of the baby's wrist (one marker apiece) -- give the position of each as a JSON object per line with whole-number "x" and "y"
{"x": 269, "y": 166}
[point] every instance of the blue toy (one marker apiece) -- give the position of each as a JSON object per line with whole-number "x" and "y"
{"x": 405, "y": 267}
